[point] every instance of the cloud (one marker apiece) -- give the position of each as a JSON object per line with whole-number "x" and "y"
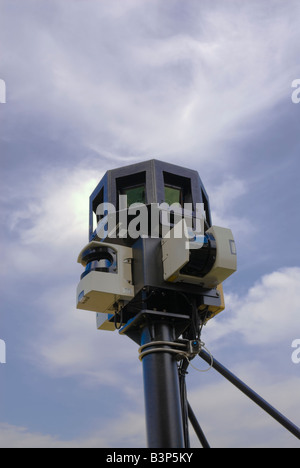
{"x": 20, "y": 437}
{"x": 71, "y": 345}
{"x": 59, "y": 209}
{"x": 47, "y": 225}
{"x": 133, "y": 88}
{"x": 267, "y": 314}
{"x": 225, "y": 196}
{"x": 126, "y": 430}
{"x": 228, "y": 418}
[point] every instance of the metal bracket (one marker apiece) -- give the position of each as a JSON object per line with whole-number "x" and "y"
{"x": 133, "y": 327}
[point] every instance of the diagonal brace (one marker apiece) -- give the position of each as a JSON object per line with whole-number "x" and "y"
{"x": 291, "y": 427}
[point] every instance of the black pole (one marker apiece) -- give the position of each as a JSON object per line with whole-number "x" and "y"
{"x": 161, "y": 386}
{"x": 251, "y": 394}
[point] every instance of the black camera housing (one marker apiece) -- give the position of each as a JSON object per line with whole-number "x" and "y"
{"x": 149, "y": 183}
{"x": 150, "y": 272}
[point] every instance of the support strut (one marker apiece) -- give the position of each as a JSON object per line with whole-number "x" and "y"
{"x": 291, "y": 427}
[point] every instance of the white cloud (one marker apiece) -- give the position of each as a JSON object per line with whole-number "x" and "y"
{"x": 223, "y": 199}
{"x": 48, "y": 224}
{"x": 267, "y": 314}
{"x": 20, "y": 437}
{"x": 224, "y": 195}
{"x": 71, "y": 345}
{"x": 146, "y": 90}
{"x": 126, "y": 430}
{"x": 59, "y": 212}
{"x": 228, "y": 418}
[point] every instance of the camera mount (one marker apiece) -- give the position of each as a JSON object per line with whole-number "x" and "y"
{"x": 154, "y": 269}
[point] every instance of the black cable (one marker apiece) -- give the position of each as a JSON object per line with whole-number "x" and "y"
{"x": 118, "y": 315}
{"x": 182, "y": 371}
{"x": 187, "y": 412}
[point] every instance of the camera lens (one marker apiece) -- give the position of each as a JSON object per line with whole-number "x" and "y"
{"x": 102, "y": 259}
{"x": 202, "y": 260}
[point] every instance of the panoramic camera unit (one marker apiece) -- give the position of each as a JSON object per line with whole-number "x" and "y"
{"x": 150, "y": 233}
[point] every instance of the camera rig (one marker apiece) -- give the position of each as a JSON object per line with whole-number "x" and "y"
{"x": 160, "y": 259}
{"x": 154, "y": 269}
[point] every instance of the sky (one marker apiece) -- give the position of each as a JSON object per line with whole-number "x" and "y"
{"x": 92, "y": 85}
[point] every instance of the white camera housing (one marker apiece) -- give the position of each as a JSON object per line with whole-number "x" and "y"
{"x": 176, "y": 254}
{"x": 98, "y": 291}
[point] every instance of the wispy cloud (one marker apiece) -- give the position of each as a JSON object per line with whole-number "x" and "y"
{"x": 185, "y": 91}
{"x": 267, "y": 314}
{"x": 58, "y": 209}
{"x": 126, "y": 430}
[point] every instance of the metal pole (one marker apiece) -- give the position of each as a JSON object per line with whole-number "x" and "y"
{"x": 161, "y": 387}
{"x": 251, "y": 394}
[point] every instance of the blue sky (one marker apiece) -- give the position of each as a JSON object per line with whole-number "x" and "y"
{"x": 94, "y": 85}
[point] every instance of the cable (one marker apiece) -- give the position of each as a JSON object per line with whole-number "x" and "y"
{"x": 118, "y": 315}
{"x": 211, "y": 360}
{"x": 161, "y": 350}
{"x": 167, "y": 343}
{"x": 184, "y": 351}
{"x": 182, "y": 372}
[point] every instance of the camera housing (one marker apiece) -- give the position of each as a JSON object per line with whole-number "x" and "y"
{"x": 208, "y": 266}
{"x": 107, "y": 278}
{"x": 150, "y": 183}
{"x": 122, "y": 270}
